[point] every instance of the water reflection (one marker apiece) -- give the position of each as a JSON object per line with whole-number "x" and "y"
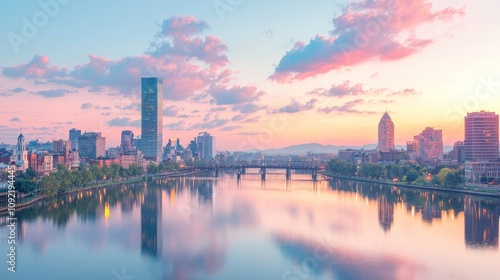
{"x": 191, "y": 228}
{"x": 481, "y": 223}
{"x": 151, "y": 223}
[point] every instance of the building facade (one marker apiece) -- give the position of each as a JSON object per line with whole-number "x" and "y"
{"x": 481, "y": 136}
{"x": 475, "y": 170}
{"x": 152, "y": 118}
{"x": 74, "y": 134}
{"x": 91, "y": 145}
{"x": 429, "y": 144}
{"x": 21, "y": 154}
{"x": 385, "y": 133}
{"x": 127, "y": 142}
{"x": 205, "y": 145}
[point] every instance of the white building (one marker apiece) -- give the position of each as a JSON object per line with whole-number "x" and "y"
{"x": 475, "y": 170}
{"x": 21, "y": 154}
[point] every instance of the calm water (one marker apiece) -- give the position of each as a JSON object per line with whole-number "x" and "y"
{"x": 205, "y": 228}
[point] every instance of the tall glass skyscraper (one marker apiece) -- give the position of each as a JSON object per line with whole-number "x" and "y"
{"x": 152, "y": 118}
{"x": 385, "y": 133}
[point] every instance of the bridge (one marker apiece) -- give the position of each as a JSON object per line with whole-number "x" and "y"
{"x": 240, "y": 168}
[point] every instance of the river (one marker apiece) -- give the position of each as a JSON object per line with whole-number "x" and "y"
{"x": 224, "y": 228}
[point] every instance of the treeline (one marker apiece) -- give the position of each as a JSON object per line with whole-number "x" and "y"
{"x": 63, "y": 179}
{"x": 407, "y": 173}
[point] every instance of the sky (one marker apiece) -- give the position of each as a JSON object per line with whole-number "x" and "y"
{"x": 256, "y": 75}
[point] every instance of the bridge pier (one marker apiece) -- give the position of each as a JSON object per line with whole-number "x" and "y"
{"x": 263, "y": 173}
{"x": 238, "y": 174}
{"x": 288, "y": 174}
{"x": 243, "y": 170}
{"x": 216, "y": 173}
{"x": 314, "y": 175}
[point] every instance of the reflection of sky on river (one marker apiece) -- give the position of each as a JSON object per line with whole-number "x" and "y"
{"x": 224, "y": 229}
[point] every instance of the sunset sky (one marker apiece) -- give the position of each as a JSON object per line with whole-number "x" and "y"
{"x": 256, "y": 74}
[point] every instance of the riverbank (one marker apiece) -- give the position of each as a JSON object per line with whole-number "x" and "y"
{"x": 495, "y": 193}
{"x": 105, "y": 184}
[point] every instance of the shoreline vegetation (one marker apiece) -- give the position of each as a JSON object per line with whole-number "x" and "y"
{"x": 31, "y": 189}
{"x": 438, "y": 178}
{"x": 492, "y": 193}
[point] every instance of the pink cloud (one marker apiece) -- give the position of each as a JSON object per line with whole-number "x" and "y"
{"x": 37, "y": 68}
{"x": 367, "y": 30}
{"x": 189, "y": 64}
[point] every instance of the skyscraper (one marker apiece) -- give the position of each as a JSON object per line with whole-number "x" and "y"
{"x": 127, "y": 142}
{"x": 205, "y": 145}
{"x": 385, "y": 133}
{"x": 74, "y": 134}
{"x": 152, "y": 118}
{"x": 92, "y": 145}
{"x": 429, "y": 143}
{"x": 481, "y": 136}
{"x": 21, "y": 153}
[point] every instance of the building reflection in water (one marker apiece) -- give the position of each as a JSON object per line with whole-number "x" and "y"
{"x": 481, "y": 223}
{"x": 385, "y": 212}
{"x": 430, "y": 211}
{"x": 151, "y": 234}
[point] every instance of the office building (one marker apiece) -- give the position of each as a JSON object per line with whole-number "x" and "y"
{"x": 385, "y": 133}
{"x": 429, "y": 144}
{"x": 74, "y": 134}
{"x": 152, "y": 118}
{"x": 127, "y": 142}
{"x": 205, "y": 145}
{"x": 92, "y": 145}
{"x": 61, "y": 147}
{"x": 481, "y": 136}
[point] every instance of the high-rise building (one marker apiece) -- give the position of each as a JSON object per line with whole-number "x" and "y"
{"x": 61, "y": 147}
{"x": 429, "y": 143}
{"x": 152, "y": 118}
{"x": 205, "y": 145}
{"x": 385, "y": 133}
{"x": 481, "y": 136}
{"x": 74, "y": 134}
{"x": 127, "y": 142}
{"x": 92, "y": 145}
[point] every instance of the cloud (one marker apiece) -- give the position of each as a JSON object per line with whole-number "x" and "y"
{"x": 348, "y": 107}
{"x": 218, "y": 109}
{"x": 53, "y": 93}
{"x": 236, "y": 95}
{"x": 208, "y": 124}
{"x": 366, "y": 30}
{"x": 170, "y": 111}
{"x": 346, "y": 88}
{"x": 296, "y": 107}
{"x": 189, "y": 63}
{"x": 96, "y": 107}
{"x": 406, "y": 92}
{"x": 180, "y": 125}
{"x": 183, "y": 116}
{"x": 340, "y": 90}
{"x": 238, "y": 118}
{"x": 86, "y": 105}
{"x": 15, "y": 119}
{"x": 132, "y": 106}
{"x": 11, "y": 92}
{"x": 37, "y": 68}
{"x": 124, "y": 122}
{"x": 231, "y": 128}
{"x": 248, "y": 108}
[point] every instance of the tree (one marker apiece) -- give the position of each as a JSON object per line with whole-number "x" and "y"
{"x": 50, "y": 185}
{"x": 412, "y": 176}
{"x": 454, "y": 179}
{"x": 135, "y": 170}
{"x": 442, "y": 175}
{"x": 152, "y": 168}
{"x": 96, "y": 172}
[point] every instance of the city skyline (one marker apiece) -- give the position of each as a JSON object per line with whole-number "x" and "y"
{"x": 234, "y": 86}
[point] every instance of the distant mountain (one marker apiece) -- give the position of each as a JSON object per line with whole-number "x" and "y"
{"x": 326, "y": 149}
